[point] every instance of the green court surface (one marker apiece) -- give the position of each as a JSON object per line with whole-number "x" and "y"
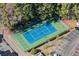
{"x": 25, "y": 45}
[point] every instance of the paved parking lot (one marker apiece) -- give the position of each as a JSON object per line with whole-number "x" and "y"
{"x": 70, "y": 45}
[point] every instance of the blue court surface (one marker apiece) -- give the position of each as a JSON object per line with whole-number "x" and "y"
{"x": 39, "y": 32}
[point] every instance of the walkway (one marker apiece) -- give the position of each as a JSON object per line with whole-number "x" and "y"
{"x": 13, "y": 43}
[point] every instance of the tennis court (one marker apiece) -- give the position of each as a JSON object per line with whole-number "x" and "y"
{"x": 37, "y": 36}
{"x": 39, "y": 33}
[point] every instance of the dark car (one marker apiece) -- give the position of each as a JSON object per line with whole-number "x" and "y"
{"x": 8, "y": 53}
{"x": 14, "y": 54}
{"x": 1, "y": 37}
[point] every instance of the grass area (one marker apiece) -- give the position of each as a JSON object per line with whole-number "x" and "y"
{"x": 27, "y": 46}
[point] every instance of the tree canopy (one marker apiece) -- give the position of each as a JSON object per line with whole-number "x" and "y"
{"x": 26, "y": 14}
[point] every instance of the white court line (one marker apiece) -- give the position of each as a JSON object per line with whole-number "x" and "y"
{"x": 47, "y": 28}
{"x": 32, "y": 36}
{"x": 39, "y": 31}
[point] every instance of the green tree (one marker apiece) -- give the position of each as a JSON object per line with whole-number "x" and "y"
{"x": 27, "y": 13}
{"x": 34, "y": 51}
{"x": 63, "y": 11}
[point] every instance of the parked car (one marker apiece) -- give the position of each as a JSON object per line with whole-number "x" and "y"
{"x": 54, "y": 54}
{"x": 1, "y": 37}
{"x": 8, "y": 53}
